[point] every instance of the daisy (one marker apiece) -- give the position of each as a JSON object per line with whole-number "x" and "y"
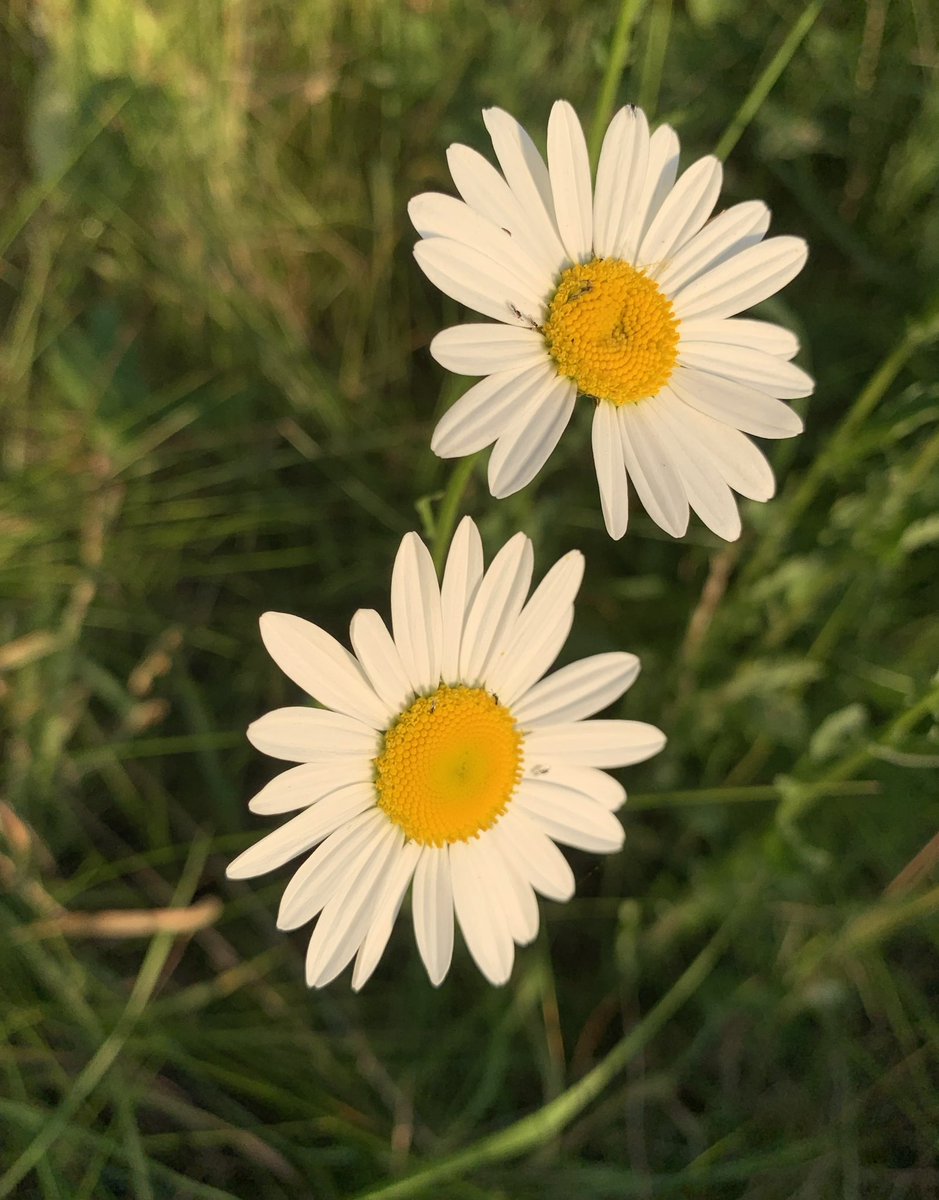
{"x": 620, "y": 290}
{"x": 441, "y": 760}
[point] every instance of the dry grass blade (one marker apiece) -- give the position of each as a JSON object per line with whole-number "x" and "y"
{"x": 117, "y": 924}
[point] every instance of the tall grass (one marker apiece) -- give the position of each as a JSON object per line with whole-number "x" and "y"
{"x": 217, "y": 399}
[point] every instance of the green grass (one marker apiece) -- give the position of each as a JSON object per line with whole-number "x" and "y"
{"x": 217, "y": 398}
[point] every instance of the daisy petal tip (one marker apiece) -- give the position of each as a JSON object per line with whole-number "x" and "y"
{"x": 361, "y": 974}
{"x": 270, "y": 623}
{"x": 632, "y": 665}
{"x": 563, "y": 108}
{"x": 411, "y": 543}
{"x": 498, "y": 978}
{"x": 241, "y": 867}
{"x": 502, "y": 489}
{"x": 415, "y": 207}
{"x": 565, "y": 895}
{"x": 420, "y": 253}
{"x": 675, "y": 530}
{"x": 466, "y": 523}
{"x": 728, "y": 529}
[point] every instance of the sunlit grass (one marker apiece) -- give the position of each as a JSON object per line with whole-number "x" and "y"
{"x": 217, "y": 399}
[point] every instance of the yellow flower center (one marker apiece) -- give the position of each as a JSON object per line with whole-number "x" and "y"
{"x": 613, "y": 331}
{"x": 449, "y": 765}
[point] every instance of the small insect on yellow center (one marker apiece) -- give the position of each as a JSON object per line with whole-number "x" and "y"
{"x": 449, "y": 765}
{"x": 613, "y": 331}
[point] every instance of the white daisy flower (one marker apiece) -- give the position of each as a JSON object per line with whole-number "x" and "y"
{"x": 618, "y": 290}
{"x": 441, "y": 760}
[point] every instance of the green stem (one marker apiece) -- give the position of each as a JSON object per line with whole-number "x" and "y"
{"x": 619, "y": 51}
{"x": 538, "y": 1127}
{"x": 800, "y": 801}
{"x": 917, "y": 336}
{"x": 110, "y": 1049}
{"x": 450, "y": 508}
{"x": 653, "y": 61}
{"x": 750, "y": 794}
{"x": 768, "y": 79}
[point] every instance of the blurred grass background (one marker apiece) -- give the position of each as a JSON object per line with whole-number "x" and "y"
{"x": 217, "y": 399}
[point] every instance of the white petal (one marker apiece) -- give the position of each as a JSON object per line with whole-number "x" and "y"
{"x": 684, "y": 210}
{"x": 596, "y": 785}
{"x": 577, "y": 691}
{"x": 502, "y": 892}
{"x": 461, "y": 578}
{"x": 512, "y": 890}
{"x": 302, "y": 832}
{"x": 707, "y": 493}
{"x": 495, "y": 607}
{"x": 345, "y": 920}
{"x": 650, "y": 467}
{"x": 525, "y": 446}
{"x": 312, "y": 735}
{"x": 661, "y": 169}
{"x": 484, "y": 413}
{"x": 526, "y": 174}
{"x": 621, "y": 177}
{"x": 593, "y": 743}
{"x": 611, "y": 469}
{"x": 534, "y": 854}
{"x": 569, "y": 169}
{"x": 328, "y": 870}
{"x": 732, "y": 231}
{"x": 485, "y": 349}
{"x": 753, "y": 368}
{"x": 380, "y": 659}
{"x": 566, "y": 816}
{"x": 471, "y": 277}
{"x": 432, "y": 910}
{"x": 734, "y": 404}
{"x": 527, "y": 660}
{"x": 484, "y": 926}
{"x": 325, "y": 670}
{"x": 387, "y": 906}
{"x": 484, "y": 189}
{"x": 741, "y": 464}
{"x": 742, "y": 281}
{"x": 436, "y": 215}
{"x": 540, "y": 631}
{"x": 304, "y": 785}
{"x": 415, "y": 613}
{"x": 740, "y": 331}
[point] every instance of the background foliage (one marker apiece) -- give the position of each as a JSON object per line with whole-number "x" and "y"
{"x": 217, "y": 398}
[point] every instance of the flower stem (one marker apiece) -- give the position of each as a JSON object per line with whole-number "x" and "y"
{"x": 842, "y": 445}
{"x": 450, "y": 508}
{"x": 538, "y": 1127}
{"x": 754, "y": 99}
{"x": 619, "y": 51}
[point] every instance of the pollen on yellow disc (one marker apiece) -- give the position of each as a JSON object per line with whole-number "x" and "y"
{"x": 449, "y": 765}
{"x": 613, "y": 331}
